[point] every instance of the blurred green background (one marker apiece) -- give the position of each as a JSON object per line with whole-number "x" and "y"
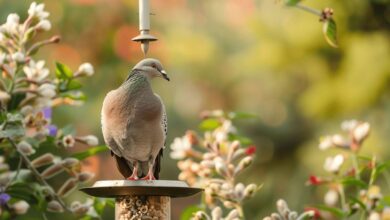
{"x": 240, "y": 55}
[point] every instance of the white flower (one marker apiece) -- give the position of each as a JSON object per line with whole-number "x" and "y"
{"x": 331, "y": 141}
{"x": 20, "y": 207}
{"x": 1, "y": 37}
{"x": 36, "y": 71}
{"x": 220, "y": 136}
{"x": 4, "y": 96}
{"x": 18, "y": 57}
{"x": 239, "y": 190}
{"x": 90, "y": 140}
{"x": 340, "y": 141}
{"x": 374, "y": 216}
{"x": 79, "y": 208}
{"x": 220, "y": 166}
{"x": 25, "y": 148}
{"x": 44, "y": 25}
{"x": 216, "y": 213}
{"x": 37, "y": 11}
{"x": 228, "y": 127}
{"x": 47, "y": 90}
{"x": 54, "y": 206}
{"x": 179, "y": 148}
{"x": 282, "y": 206}
{"x": 86, "y": 69}
{"x": 326, "y": 143}
{"x": 12, "y": 23}
{"x": 333, "y": 164}
{"x": 250, "y": 190}
{"x": 361, "y": 131}
{"x": 68, "y": 141}
{"x": 232, "y": 215}
{"x": 349, "y": 125}
{"x": 331, "y": 197}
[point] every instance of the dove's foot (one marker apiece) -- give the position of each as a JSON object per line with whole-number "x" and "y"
{"x": 150, "y": 176}
{"x": 134, "y": 175}
{"x": 132, "y": 178}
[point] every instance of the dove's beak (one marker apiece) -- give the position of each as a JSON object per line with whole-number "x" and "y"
{"x": 164, "y": 75}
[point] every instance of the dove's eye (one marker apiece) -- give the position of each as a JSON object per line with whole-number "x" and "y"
{"x": 154, "y": 66}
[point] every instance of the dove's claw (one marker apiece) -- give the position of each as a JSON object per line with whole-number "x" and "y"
{"x": 133, "y": 178}
{"x": 150, "y": 176}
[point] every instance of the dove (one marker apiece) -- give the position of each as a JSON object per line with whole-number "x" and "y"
{"x": 134, "y": 122}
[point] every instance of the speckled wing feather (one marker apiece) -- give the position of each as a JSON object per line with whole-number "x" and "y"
{"x": 164, "y": 126}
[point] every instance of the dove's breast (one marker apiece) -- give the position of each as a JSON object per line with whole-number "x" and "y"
{"x": 134, "y": 122}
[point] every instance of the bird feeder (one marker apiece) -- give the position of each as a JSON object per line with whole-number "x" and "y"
{"x": 144, "y": 26}
{"x": 141, "y": 199}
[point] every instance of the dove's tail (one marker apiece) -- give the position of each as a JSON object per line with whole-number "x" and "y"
{"x": 122, "y": 165}
{"x": 157, "y": 165}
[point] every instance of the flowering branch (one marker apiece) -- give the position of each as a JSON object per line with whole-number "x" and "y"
{"x": 213, "y": 162}
{"x": 28, "y": 94}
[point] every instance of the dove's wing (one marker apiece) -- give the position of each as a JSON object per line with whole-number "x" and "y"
{"x": 124, "y": 167}
{"x": 164, "y": 127}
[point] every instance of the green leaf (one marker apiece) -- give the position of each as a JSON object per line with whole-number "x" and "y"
{"x": 354, "y": 182}
{"x": 75, "y": 95}
{"x": 74, "y": 85}
{"x": 21, "y": 190}
{"x": 364, "y": 158}
{"x": 110, "y": 203}
{"x": 99, "y": 206}
{"x": 69, "y": 129}
{"x": 243, "y": 140}
{"x": 380, "y": 168}
{"x": 335, "y": 211}
{"x": 209, "y": 124}
{"x": 16, "y": 99}
{"x": 329, "y": 30}
{"x": 189, "y": 211}
{"x": 63, "y": 71}
{"x": 14, "y": 117}
{"x": 12, "y": 131}
{"x": 87, "y": 217}
{"x": 90, "y": 152}
{"x": 291, "y": 2}
{"x": 241, "y": 115}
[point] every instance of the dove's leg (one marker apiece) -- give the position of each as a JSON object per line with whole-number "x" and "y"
{"x": 150, "y": 175}
{"x": 134, "y": 175}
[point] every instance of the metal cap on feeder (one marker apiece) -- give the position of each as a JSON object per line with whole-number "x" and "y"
{"x": 144, "y": 26}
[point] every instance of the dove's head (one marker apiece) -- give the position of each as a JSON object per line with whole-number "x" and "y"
{"x": 151, "y": 68}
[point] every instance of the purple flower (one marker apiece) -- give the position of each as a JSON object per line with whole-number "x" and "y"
{"x": 47, "y": 112}
{"x": 4, "y": 198}
{"x": 52, "y": 130}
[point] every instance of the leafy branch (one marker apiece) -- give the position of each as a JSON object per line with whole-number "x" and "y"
{"x": 329, "y": 28}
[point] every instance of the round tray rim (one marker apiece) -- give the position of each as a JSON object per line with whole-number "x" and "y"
{"x": 117, "y": 188}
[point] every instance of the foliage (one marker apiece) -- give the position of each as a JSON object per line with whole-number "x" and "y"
{"x": 33, "y": 149}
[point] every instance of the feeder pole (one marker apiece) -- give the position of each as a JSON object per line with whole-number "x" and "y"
{"x": 144, "y": 26}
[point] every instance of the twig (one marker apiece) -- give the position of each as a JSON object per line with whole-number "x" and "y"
{"x": 16, "y": 174}
{"x": 308, "y": 9}
{"x": 355, "y": 165}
